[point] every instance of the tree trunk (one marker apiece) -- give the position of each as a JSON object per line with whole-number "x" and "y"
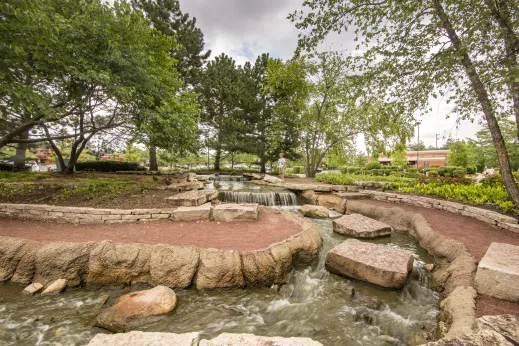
{"x": 153, "y": 159}
{"x": 217, "y": 159}
{"x": 484, "y": 100}
{"x": 263, "y": 166}
{"x": 21, "y": 150}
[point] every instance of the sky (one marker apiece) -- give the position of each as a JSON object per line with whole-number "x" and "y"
{"x": 244, "y": 29}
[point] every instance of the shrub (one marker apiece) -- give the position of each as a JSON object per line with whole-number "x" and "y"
{"x": 349, "y": 169}
{"x": 412, "y": 170}
{"x": 458, "y": 173}
{"x": 298, "y": 169}
{"x": 108, "y": 166}
{"x": 433, "y": 174}
{"x": 471, "y": 170}
{"x": 447, "y": 175}
{"x": 373, "y": 165}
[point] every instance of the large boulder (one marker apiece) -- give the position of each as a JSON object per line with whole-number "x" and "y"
{"x": 506, "y": 325}
{"x": 498, "y": 272}
{"x": 219, "y": 269}
{"x": 202, "y": 212}
{"x": 332, "y": 202}
{"x": 377, "y": 264}
{"x": 173, "y": 266}
{"x": 318, "y": 212}
{"x": 137, "y": 338}
{"x": 136, "y": 309}
{"x": 360, "y": 226}
{"x": 192, "y": 198}
{"x": 227, "y": 339}
{"x": 235, "y": 212}
{"x": 273, "y": 180}
{"x": 308, "y": 197}
{"x": 483, "y": 338}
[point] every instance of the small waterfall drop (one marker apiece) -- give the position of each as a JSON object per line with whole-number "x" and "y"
{"x": 262, "y": 198}
{"x": 230, "y": 178}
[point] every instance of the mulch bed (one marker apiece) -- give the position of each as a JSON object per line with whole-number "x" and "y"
{"x": 475, "y": 235}
{"x": 270, "y": 228}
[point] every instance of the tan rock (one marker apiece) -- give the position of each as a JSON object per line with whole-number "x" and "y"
{"x": 119, "y": 264}
{"x": 308, "y": 197}
{"x": 333, "y": 202}
{"x": 482, "y": 338}
{"x": 55, "y": 287}
{"x": 192, "y": 198}
{"x": 137, "y": 309}
{"x": 271, "y": 179}
{"x": 378, "y": 264}
{"x": 137, "y": 338}
{"x": 498, "y": 272}
{"x": 235, "y": 212}
{"x": 429, "y": 267}
{"x": 33, "y": 288}
{"x": 459, "y": 308}
{"x": 219, "y": 269}
{"x": 506, "y": 325}
{"x": 360, "y": 226}
{"x": 315, "y": 211}
{"x": 227, "y": 339}
{"x": 173, "y": 266}
{"x": 197, "y": 213}
{"x": 186, "y": 186}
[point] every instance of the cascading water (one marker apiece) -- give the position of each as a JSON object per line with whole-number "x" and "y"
{"x": 230, "y": 178}
{"x": 262, "y": 198}
{"x": 315, "y": 304}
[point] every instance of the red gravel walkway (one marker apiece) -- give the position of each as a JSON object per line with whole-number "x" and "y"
{"x": 475, "y": 235}
{"x": 239, "y": 235}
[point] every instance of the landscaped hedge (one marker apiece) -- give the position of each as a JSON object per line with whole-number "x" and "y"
{"x": 451, "y": 171}
{"x": 108, "y": 166}
{"x": 298, "y": 169}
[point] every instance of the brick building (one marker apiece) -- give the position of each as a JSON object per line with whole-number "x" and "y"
{"x": 425, "y": 159}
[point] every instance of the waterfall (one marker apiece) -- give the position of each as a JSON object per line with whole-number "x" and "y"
{"x": 263, "y": 198}
{"x": 230, "y": 178}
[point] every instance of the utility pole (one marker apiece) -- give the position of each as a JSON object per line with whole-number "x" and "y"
{"x": 418, "y": 145}
{"x": 437, "y": 137}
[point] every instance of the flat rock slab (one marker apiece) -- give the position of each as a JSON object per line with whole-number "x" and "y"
{"x": 136, "y": 309}
{"x": 145, "y": 339}
{"x": 192, "y": 198}
{"x": 228, "y": 339}
{"x": 352, "y": 195}
{"x": 273, "y": 180}
{"x": 498, "y": 272}
{"x": 198, "y": 213}
{"x": 361, "y": 226}
{"x": 506, "y": 325}
{"x": 318, "y": 212}
{"x": 235, "y": 212}
{"x": 380, "y": 265}
{"x": 185, "y": 186}
{"x": 311, "y": 187}
{"x": 483, "y": 338}
{"x": 332, "y": 202}
{"x": 33, "y": 288}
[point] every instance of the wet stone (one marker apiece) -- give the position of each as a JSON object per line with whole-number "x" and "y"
{"x": 33, "y": 288}
{"x": 55, "y": 287}
{"x": 360, "y": 226}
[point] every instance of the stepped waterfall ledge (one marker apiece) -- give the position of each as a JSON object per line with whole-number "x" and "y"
{"x": 262, "y": 198}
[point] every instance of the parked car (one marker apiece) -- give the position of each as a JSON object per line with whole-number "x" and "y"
{"x": 52, "y": 168}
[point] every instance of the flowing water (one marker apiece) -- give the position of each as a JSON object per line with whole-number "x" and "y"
{"x": 315, "y": 304}
{"x": 263, "y": 198}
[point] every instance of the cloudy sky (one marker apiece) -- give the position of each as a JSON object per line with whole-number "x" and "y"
{"x": 244, "y": 29}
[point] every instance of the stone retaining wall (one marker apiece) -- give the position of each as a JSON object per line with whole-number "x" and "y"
{"x": 80, "y": 214}
{"x": 110, "y": 263}
{"x": 488, "y": 216}
{"x": 455, "y": 271}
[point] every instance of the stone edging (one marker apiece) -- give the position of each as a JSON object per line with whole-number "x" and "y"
{"x": 491, "y": 217}
{"x": 455, "y": 271}
{"x": 104, "y": 263}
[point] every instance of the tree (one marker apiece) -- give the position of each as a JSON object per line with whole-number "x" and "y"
{"x": 111, "y": 69}
{"x": 462, "y": 51}
{"x": 166, "y": 17}
{"x": 219, "y": 95}
{"x": 336, "y": 112}
{"x": 417, "y": 146}
{"x": 459, "y": 155}
{"x": 399, "y": 157}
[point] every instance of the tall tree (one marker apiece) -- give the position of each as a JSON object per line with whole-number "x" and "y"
{"x": 459, "y": 154}
{"x": 463, "y": 51}
{"x": 190, "y": 54}
{"x": 219, "y": 95}
{"x": 417, "y": 146}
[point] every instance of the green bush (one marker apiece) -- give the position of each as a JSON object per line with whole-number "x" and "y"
{"x": 108, "y": 166}
{"x": 471, "y": 170}
{"x": 349, "y": 179}
{"x": 335, "y": 179}
{"x": 412, "y": 170}
{"x": 433, "y": 173}
{"x": 298, "y": 169}
{"x": 459, "y": 173}
{"x": 373, "y": 165}
{"x": 447, "y": 175}
{"x": 349, "y": 169}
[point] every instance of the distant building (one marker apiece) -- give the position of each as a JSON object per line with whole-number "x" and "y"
{"x": 426, "y": 158}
